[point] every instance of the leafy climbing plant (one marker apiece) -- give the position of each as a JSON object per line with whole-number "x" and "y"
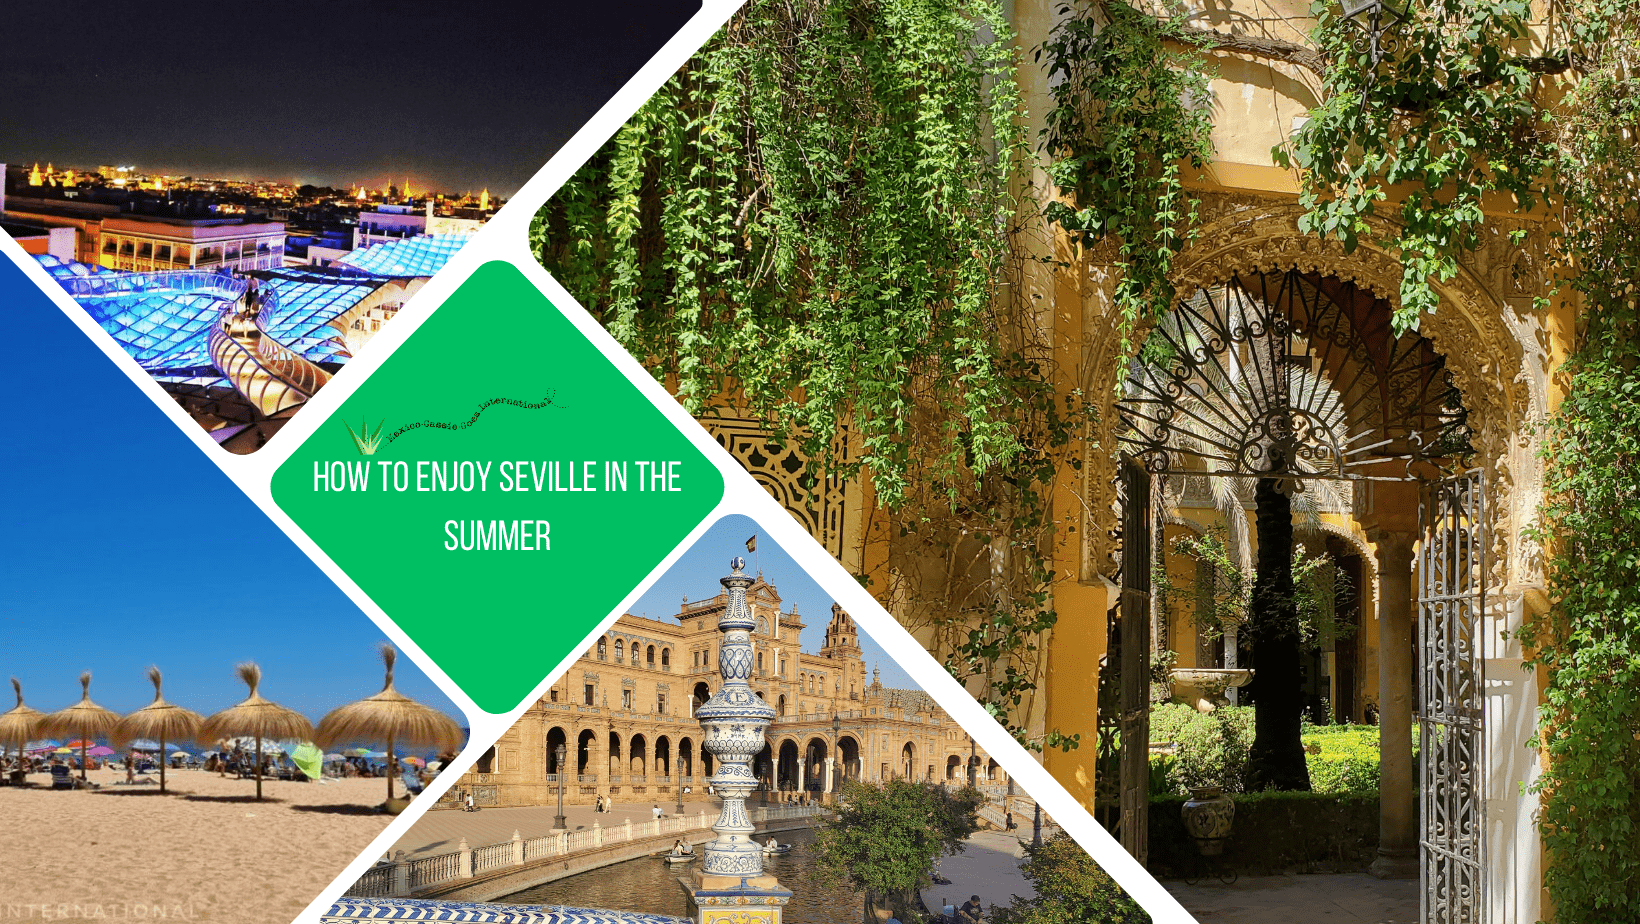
{"x": 811, "y": 222}
{"x": 1475, "y": 110}
{"x": 1130, "y": 116}
{"x": 1450, "y": 123}
{"x": 1587, "y": 646}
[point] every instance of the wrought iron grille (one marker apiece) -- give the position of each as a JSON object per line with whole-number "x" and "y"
{"x": 1452, "y": 761}
{"x": 1287, "y": 374}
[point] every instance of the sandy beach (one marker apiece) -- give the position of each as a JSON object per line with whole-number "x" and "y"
{"x": 205, "y": 850}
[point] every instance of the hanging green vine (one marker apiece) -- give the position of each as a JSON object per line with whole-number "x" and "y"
{"x": 1130, "y": 115}
{"x": 812, "y": 222}
{"x": 1450, "y": 123}
{"x": 811, "y": 214}
{"x": 1587, "y": 647}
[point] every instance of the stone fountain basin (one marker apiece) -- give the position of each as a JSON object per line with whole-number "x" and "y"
{"x": 1204, "y": 687}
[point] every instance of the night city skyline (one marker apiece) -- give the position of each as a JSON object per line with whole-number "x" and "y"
{"x": 325, "y": 95}
{"x": 400, "y": 180}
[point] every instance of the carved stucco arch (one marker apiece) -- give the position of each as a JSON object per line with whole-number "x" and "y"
{"x": 1355, "y": 540}
{"x": 1497, "y": 357}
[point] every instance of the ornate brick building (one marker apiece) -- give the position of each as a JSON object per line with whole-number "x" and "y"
{"x": 624, "y": 714}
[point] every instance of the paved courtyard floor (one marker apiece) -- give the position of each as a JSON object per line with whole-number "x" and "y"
{"x": 989, "y": 868}
{"x": 1353, "y": 898}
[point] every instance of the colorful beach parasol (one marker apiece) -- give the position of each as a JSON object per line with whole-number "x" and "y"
{"x": 20, "y": 723}
{"x": 85, "y": 719}
{"x": 390, "y": 716}
{"x": 309, "y": 760}
{"x": 159, "y": 719}
{"x": 257, "y": 718}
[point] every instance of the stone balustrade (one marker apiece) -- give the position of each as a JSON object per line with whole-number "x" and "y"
{"x": 404, "y": 877}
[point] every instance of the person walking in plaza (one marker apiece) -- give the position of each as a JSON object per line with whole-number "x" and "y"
{"x": 470, "y": 806}
{"x": 658, "y": 813}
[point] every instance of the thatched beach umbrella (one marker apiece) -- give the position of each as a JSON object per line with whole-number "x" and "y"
{"x": 85, "y": 719}
{"x": 256, "y": 718}
{"x": 20, "y": 723}
{"x": 159, "y": 720}
{"x": 392, "y": 717}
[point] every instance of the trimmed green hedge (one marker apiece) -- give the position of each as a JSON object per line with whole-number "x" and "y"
{"x": 1342, "y": 758}
{"x": 1274, "y": 833}
{"x": 1212, "y": 750}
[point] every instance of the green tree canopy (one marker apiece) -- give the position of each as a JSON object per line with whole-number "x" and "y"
{"x": 886, "y": 835}
{"x": 1070, "y": 889}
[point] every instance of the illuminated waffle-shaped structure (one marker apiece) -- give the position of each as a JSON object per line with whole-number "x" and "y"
{"x": 270, "y": 375}
{"x": 241, "y": 355}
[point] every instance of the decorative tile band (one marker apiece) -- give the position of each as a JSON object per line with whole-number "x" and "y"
{"x": 410, "y": 909}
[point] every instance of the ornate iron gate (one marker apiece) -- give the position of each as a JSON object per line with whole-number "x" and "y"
{"x": 1135, "y": 661}
{"x": 1452, "y": 757}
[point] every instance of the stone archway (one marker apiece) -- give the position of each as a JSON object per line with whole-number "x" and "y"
{"x": 1497, "y": 356}
{"x": 1496, "y": 352}
{"x": 583, "y": 751}
{"x": 848, "y": 751}
{"x": 556, "y": 738}
{"x": 789, "y": 765}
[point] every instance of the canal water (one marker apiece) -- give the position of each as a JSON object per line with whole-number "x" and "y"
{"x": 648, "y": 885}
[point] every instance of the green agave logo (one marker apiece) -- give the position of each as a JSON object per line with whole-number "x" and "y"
{"x": 371, "y": 439}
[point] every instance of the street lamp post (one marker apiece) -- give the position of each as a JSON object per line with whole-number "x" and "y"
{"x": 836, "y": 754}
{"x": 678, "y": 765}
{"x": 558, "y": 820}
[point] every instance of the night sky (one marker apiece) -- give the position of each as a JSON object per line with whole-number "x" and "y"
{"x": 456, "y": 95}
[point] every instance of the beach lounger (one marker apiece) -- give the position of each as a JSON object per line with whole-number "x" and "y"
{"x": 412, "y": 785}
{"x": 62, "y": 777}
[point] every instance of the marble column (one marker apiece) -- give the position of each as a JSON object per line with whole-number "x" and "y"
{"x": 1397, "y": 800}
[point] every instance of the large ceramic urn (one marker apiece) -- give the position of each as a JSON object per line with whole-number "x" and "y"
{"x": 1207, "y": 818}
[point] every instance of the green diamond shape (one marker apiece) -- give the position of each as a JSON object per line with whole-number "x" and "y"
{"x": 497, "y": 376}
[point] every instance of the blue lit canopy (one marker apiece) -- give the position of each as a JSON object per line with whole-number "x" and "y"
{"x": 69, "y": 269}
{"x": 408, "y": 258}
{"x": 307, "y": 300}
{"x": 163, "y": 320}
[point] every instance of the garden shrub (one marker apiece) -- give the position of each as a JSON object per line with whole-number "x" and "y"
{"x": 1273, "y": 833}
{"x": 1212, "y": 751}
{"x": 1342, "y": 758}
{"x": 1069, "y": 886}
{"x": 1212, "y": 747}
